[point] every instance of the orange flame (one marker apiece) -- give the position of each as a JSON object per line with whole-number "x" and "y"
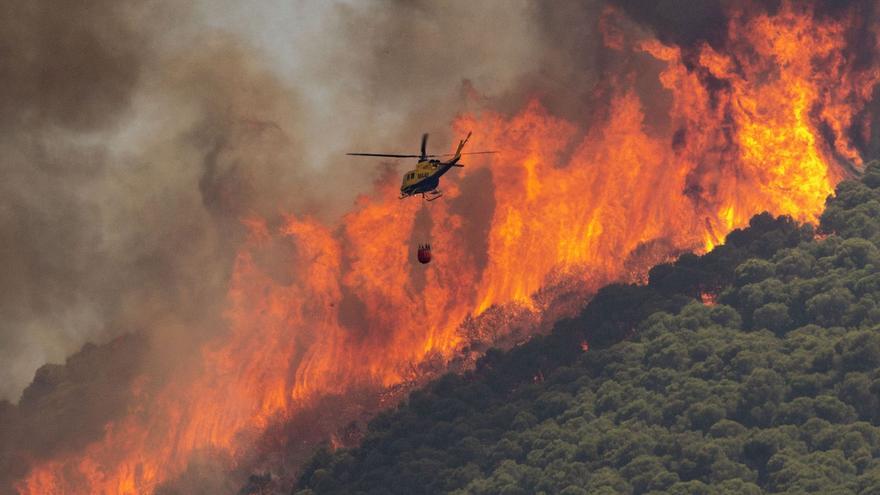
{"x": 568, "y": 205}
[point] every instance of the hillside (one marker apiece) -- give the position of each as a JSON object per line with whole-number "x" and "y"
{"x": 751, "y": 369}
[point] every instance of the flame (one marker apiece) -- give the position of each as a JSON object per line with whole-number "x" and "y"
{"x": 709, "y": 298}
{"x": 569, "y": 204}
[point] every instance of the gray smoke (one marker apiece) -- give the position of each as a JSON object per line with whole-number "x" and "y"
{"x": 69, "y": 73}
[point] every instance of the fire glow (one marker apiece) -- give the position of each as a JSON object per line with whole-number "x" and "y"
{"x": 568, "y": 201}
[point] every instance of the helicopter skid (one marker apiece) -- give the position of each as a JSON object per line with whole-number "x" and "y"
{"x": 427, "y": 196}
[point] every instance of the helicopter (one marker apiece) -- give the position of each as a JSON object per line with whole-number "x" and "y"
{"x": 425, "y": 178}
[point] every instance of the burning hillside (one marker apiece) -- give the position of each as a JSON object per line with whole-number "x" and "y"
{"x": 682, "y": 143}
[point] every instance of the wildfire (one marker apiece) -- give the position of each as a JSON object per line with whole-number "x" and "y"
{"x": 567, "y": 202}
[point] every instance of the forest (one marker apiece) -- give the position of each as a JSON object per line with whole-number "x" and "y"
{"x": 750, "y": 369}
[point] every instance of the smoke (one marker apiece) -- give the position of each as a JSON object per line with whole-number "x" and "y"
{"x": 124, "y": 175}
{"x": 68, "y": 75}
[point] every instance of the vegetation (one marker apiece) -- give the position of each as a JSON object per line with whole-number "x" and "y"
{"x": 773, "y": 388}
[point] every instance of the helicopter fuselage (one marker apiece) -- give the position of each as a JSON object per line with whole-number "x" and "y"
{"x": 424, "y": 178}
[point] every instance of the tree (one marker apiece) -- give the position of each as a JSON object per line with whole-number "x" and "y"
{"x": 773, "y": 317}
{"x": 829, "y": 308}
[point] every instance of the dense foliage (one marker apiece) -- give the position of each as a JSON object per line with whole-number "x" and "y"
{"x": 772, "y": 385}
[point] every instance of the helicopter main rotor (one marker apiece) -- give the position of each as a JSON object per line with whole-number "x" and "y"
{"x": 422, "y": 156}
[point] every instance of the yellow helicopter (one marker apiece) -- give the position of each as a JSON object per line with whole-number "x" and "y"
{"x": 425, "y": 178}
